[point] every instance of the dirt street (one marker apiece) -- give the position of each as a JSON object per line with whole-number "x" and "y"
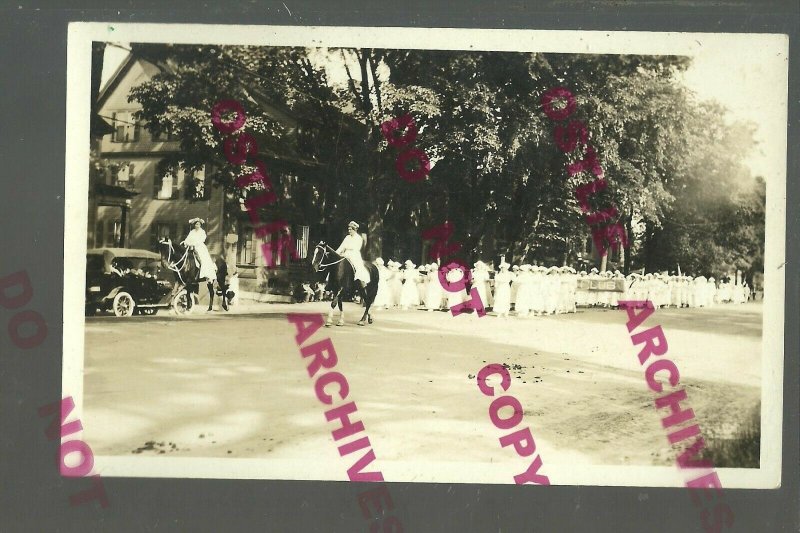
{"x": 234, "y": 385}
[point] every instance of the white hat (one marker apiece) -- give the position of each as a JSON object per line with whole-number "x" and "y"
{"x": 196, "y": 219}
{"x": 410, "y": 264}
{"x": 352, "y": 224}
{"x": 378, "y": 261}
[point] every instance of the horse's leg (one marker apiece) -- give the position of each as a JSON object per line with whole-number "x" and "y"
{"x": 341, "y": 309}
{"x": 329, "y": 322}
{"x": 370, "y": 301}
{"x": 364, "y": 298}
{"x": 210, "y": 285}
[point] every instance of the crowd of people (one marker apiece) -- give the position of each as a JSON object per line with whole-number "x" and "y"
{"x": 533, "y": 290}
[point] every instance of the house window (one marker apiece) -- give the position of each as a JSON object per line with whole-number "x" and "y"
{"x": 107, "y": 233}
{"x": 159, "y": 230}
{"x": 163, "y": 136}
{"x": 124, "y": 175}
{"x": 126, "y": 128}
{"x": 168, "y": 186}
{"x": 197, "y": 187}
{"x": 245, "y": 247}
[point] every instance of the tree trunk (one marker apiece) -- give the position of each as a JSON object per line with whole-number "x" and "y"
{"x": 626, "y": 266}
{"x": 375, "y": 232}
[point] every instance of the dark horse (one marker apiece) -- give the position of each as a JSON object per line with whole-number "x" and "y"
{"x": 341, "y": 281}
{"x": 182, "y": 262}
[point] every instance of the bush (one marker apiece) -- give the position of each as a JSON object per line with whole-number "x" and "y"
{"x": 742, "y": 450}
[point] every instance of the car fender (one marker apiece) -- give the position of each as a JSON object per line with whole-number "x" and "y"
{"x": 113, "y": 292}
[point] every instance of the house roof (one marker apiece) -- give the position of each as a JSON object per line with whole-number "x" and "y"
{"x": 115, "y": 79}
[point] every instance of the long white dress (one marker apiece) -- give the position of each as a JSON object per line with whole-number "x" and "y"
{"x": 409, "y": 296}
{"x": 351, "y": 249}
{"x": 524, "y": 293}
{"x": 382, "y": 297}
{"x": 480, "y": 280}
{"x": 197, "y": 239}
{"x": 433, "y": 290}
{"x": 502, "y": 293}
{"x": 536, "y": 288}
{"x": 395, "y": 284}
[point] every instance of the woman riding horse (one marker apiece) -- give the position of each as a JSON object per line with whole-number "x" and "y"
{"x": 181, "y": 260}
{"x": 347, "y": 271}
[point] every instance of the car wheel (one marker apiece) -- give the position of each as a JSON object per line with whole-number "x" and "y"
{"x": 123, "y": 304}
{"x": 179, "y": 303}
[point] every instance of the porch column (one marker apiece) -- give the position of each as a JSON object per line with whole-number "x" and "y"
{"x": 123, "y": 225}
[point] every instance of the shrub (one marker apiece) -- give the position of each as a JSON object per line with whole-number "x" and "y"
{"x": 742, "y": 450}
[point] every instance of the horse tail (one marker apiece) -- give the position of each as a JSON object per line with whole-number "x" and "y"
{"x": 372, "y": 286}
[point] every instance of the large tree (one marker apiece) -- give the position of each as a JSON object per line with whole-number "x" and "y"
{"x": 496, "y": 173}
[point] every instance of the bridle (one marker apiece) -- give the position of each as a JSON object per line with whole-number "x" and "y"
{"x": 324, "y": 253}
{"x": 172, "y": 265}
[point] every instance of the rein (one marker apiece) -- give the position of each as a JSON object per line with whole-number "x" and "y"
{"x": 324, "y": 253}
{"x": 172, "y": 266}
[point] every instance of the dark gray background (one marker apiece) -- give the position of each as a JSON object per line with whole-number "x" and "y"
{"x": 32, "y": 133}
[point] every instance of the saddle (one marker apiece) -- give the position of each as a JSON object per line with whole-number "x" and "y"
{"x": 366, "y": 266}
{"x": 193, "y": 253}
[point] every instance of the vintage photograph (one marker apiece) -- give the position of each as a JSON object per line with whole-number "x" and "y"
{"x": 426, "y": 255}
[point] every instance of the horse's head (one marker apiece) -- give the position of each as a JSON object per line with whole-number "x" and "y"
{"x": 320, "y": 250}
{"x": 164, "y": 244}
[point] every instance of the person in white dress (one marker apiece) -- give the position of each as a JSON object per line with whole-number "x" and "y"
{"x": 433, "y": 289}
{"x": 197, "y": 239}
{"x": 535, "y": 288}
{"x": 711, "y": 290}
{"x": 502, "y": 290}
{"x": 422, "y": 282}
{"x": 409, "y": 297}
{"x": 524, "y": 291}
{"x": 480, "y": 280}
{"x": 514, "y": 284}
{"x": 395, "y": 283}
{"x": 552, "y": 286}
{"x": 350, "y": 249}
{"x": 581, "y": 295}
{"x": 382, "y": 296}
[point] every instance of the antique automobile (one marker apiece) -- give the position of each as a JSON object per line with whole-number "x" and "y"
{"x": 126, "y": 281}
